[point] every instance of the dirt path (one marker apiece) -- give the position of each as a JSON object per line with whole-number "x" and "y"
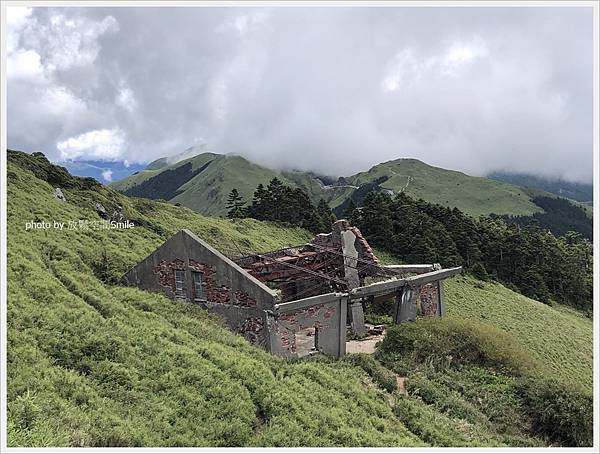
{"x": 366, "y": 345}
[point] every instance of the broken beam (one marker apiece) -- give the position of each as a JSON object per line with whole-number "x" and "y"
{"x": 393, "y": 285}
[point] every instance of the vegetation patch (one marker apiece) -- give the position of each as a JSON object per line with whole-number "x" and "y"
{"x": 471, "y": 372}
{"x": 383, "y": 377}
{"x": 559, "y": 338}
{"x": 450, "y": 342}
{"x": 92, "y": 363}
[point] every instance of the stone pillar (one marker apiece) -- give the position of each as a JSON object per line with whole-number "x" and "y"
{"x": 350, "y": 258}
{"x": 357, "y": 316}
{"x": 343, "y": 309}
{"x": 406, "y": 305}
{"x": 441, "y": 303}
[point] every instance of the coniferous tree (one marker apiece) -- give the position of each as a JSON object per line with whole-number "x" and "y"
{"x": 325, "y": 216}
{"x": 281, "y": 203}
{"x": 257, "y": 209}
{"x": 527, "y": 258}
{"x": 235, "y": 205}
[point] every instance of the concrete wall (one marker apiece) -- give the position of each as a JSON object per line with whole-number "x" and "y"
{"x": 227, "y": 289}
{"x": 325, "y": 312}
{"x": 250, "y": 307}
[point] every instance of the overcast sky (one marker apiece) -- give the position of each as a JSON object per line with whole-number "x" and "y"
{"x": 335, "y": 90}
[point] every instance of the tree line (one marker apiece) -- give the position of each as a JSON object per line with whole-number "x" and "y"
{"x": 279, "y": 202}
{"x": 559, "y": 216}
{"x": 527, "y": 258}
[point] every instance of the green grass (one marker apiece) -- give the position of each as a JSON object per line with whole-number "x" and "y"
{"x": 207, "y": 192}
{"x": 467, "y": 374}
{"x": 472, "y": 195}
{"x": 91, "y": 363}
{"x": 559, "y": 337}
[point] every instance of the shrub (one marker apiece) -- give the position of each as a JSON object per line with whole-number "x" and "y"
{"x": 444, "y": 399}
{"x": 453, "y": 342}
{"x": 562, "y": 412}
{"x": 53, "y": 174}
{"x": 384, "y": 378}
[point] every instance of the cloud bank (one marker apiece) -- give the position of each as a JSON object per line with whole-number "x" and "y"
{"x": 334, "y": 90}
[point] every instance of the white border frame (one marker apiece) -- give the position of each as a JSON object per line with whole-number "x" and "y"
{"x": 3, "y": 203}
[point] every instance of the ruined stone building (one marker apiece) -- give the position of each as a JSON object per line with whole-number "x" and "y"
{"x": 296, "y": 300}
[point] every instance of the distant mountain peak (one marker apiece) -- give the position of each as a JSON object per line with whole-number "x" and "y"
{"x": 188, "y": 153}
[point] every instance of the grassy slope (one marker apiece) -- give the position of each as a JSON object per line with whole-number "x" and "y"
{"x": 93, "y": 364}
{"x": 473, "y": 195}
{"x": 134, "y": 180}
{"x": 207, "y": 192}
{"x": 559, "y": 337}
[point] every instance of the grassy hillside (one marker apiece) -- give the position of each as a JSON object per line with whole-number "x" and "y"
{"x": 201, "y": 183}
{"x": 559, "y": 337}
{"x": 91, "y": 363}
{"x": 206, "y": 192}
{"x": 581, "y": 192}
{"x": 473, "y": 195}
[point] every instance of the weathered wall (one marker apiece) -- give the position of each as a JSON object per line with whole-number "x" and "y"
{"x": 326, "y": 312}
{"x": 419, "y": 301}
{"x": 228, "y": 289}
{"x": 428, "y": 300}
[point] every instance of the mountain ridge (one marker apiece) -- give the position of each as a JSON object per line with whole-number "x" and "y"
{"x": 580, "y": 192}
{"x": 206, "y": 191}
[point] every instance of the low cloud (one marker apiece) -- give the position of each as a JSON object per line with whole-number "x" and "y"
{"x": 107, "y": 175}
{"x": 334, "y": 90}
{"x": 100, "y": 145}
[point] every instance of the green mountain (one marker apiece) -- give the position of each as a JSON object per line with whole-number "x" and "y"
{"x": 473, "y": 195}
{"x": 581, "y": 192}
{"x": 92, "y": 363}
{"x": 203, "y": 182}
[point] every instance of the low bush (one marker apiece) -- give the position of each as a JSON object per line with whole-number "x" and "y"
{"x": 454, "y": 342}
{"x": 383, "y": 377}
{"x": 562, "y": 412}
{"x": 441, "y": 430}
{"x": 444, "y": 399}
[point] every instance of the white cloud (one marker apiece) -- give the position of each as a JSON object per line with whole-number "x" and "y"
{"x": 37, "y": 49}
{"x": 55, "y": 100}
{"x": 101, "y": 144}
{"x": 24, "y": 64}
{"x": 407, "y": 67}
{"x": 107, "y": 175}
{"x": 246, "y": 23}
{"x": 402, "y": 70}
{"x": 17, "y": 15}
{"x": 331, "y": 89}
{"x": 460, "y": 54}
{"x": 41, "y": 41}
{"x": 72, "y": 42}
{"x": 16, "y": 18}
{"x": 126, "y": 99}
